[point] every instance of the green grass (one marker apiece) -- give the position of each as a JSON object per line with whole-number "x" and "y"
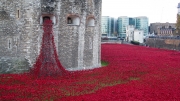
{"x": 104, "y": 63}
{"x": 134, "y": 78}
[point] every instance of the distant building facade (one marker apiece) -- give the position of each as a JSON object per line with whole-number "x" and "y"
{"x": 113, "y": 27}
{"x": 129, "y": 33}
{"x": 142, "y": 24}
{"x": 132, "y": 21}
{"x": 122, "y": 23}
{"x": 117, "y": 27}
{"x": 138, "y": 36}
{"x": 162, "y": 28}
{"x": 165, "y": 32}
{"x": 106, "y": 25}
{"x": 133, "y": 34}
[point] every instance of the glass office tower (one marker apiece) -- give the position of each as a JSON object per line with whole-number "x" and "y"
{"x": 122, "y": 23}
{"x": 142, "y": 24}
{"x": 106, "y": 26}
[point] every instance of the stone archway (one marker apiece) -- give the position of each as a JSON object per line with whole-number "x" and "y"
{"x": 46, "y": 18}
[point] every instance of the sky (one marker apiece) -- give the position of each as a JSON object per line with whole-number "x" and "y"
{"x": 156, "y": 10}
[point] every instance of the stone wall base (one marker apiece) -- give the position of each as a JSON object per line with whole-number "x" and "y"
{"x": 172, "y": 44}
{"x": 13, "y": 65}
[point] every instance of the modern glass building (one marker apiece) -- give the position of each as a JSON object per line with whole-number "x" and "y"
{"x": 142, "y": 24}
{"x": 117, "y": 27}
{"x": 113, "y": 27}
{"x": 106, "y": 26}
{"x": 132, "y": 21}
{"x": 122, "y": 23}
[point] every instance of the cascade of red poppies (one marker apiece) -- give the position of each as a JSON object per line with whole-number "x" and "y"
{"x": 47, "y": 63}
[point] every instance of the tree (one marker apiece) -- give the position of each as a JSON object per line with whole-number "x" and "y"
{"x": 177, "y": 32}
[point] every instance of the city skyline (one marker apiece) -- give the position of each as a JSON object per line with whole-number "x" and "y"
{"x": 111, "y": 27}
{"x": 156, "y": 10}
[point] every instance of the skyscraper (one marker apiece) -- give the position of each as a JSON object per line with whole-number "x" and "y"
{"x": 142, "y": 24}
{"x": 117, "y": 27}
{"x": 122, "y": 23}
{"x": 106, "y": 26}
{"x": 113, "y": 27}
{"x": 132, "y": 21}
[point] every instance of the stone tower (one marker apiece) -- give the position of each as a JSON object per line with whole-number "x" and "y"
{"x": 76, "y": 29}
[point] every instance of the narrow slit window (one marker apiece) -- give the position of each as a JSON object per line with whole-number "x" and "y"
{"x": 18, "y": 14}
{"x": 9, "y": 44}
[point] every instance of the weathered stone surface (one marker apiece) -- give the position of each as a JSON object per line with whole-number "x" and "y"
{"x": 173, "y": 44}
{"x": 78, "y": 45}
{"x": 13, "y": 65}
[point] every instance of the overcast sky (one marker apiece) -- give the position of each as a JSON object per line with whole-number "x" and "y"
{"x": 155, "y": 10}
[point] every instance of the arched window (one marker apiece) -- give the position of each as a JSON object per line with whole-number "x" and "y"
{"x": 91, "y": 22}
{"x": 46, "y": 18}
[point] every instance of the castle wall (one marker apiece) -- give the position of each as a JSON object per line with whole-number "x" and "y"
{"x": 80, "y": 48}
{"x": 93, "y": 35}
{"x": 173, "y": 44}
{"x": 78, "y": 45}
{"x": 12, "y": 56}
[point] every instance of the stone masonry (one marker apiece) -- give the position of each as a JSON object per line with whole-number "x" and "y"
{"x": 172, "y": 44}
{"x": 76, "y": 28}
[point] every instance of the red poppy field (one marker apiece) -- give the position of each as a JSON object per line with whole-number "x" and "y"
{"x": 134, "y": 73}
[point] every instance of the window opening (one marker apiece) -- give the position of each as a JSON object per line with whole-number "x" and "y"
{"x": 9, "y": 44}
{"x": 69, "y": 20}
{"x": 91, "y": 22}
{"x": 18, "y": 13}
{"x": 73, "y": 20}
{"x": 46, "y": 18}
